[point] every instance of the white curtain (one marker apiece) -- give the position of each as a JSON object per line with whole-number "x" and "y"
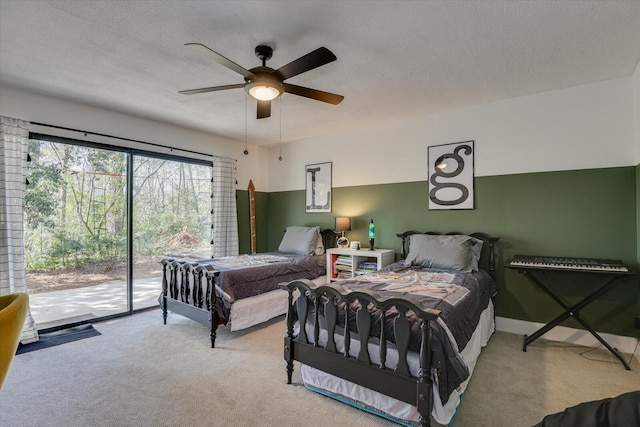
{"x": 14, "y": 143}
{"x": 224, "y": 224}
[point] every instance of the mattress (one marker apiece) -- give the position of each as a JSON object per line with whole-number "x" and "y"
{"x": 254, "y": 310}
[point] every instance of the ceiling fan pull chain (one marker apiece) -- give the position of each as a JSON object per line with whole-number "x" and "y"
{"x": 280, "y": 106}
{"x": 246, "y": 152}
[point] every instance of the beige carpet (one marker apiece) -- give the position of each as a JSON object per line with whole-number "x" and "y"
{"x": 140, "y": 372}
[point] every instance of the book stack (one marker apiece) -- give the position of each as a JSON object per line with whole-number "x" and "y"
{"x": 343, "y": 266}
{"x": 367, "y": 267}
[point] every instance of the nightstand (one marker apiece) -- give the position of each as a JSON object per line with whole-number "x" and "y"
{"x": 344, "y": 263}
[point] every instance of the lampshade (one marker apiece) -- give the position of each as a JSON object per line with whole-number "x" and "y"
{"x": 343, "y": 223}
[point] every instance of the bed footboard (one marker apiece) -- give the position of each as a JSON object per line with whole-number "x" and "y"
{"x": 188, "y": 289}
{"x": 364, "y": 314}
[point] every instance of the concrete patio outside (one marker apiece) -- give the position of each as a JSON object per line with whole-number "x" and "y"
{"x": 71, "y": 305}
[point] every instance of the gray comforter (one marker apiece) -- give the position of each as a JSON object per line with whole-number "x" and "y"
{"x": 245, "y": 276}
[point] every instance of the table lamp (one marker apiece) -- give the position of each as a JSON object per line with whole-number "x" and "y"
{"x": 343, "y": 223}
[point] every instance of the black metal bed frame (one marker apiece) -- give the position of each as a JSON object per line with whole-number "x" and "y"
{"x": 185, "y": 294}
{"x": 398, "y": 383}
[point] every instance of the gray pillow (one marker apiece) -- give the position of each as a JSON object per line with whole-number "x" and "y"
{"x": 446, "y": 252}
{"x": 300, "y": 240}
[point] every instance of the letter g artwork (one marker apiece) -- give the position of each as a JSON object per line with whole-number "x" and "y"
{"x": 451, "y": 175}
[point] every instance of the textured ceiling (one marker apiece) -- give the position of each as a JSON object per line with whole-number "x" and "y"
{"x": 395, "y": 58}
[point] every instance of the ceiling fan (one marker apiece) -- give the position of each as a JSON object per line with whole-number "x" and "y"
{"x": 264, "y": 83}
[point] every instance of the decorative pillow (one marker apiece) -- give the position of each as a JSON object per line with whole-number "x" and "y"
{"x": 300, "y": 240}
{"x": 439, "y": 251}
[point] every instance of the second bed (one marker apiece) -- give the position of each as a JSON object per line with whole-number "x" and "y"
{"x": 242, "y": 291}
{"x": 437, "y": 313}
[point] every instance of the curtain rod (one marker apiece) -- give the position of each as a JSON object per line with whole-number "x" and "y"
{"x": 130, "y": 140}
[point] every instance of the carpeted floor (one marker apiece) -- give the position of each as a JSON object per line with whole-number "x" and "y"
{"x": 140, "y": 372}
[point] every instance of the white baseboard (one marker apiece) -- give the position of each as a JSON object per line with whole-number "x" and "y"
{"x": 569, "y": 335}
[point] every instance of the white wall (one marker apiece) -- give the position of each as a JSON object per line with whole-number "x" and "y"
{"x": 34, "y": 107}
{"x": 582, "y": 127}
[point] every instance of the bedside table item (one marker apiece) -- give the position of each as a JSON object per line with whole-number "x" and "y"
{"x": 372, "y": 234}
{"x": 348, "y": 263}
{"x": 343, "y": 223}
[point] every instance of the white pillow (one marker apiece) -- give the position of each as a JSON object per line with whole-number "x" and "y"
{"x": 476, "y": 252}
{"x": 442, "y": 251}
{"x": 319, "y": 245}
{"x": 300, "y": 240}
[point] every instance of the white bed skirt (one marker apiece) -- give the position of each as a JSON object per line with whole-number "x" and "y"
{"x": 395, "y": 409}
{"x": 252, "y": 311}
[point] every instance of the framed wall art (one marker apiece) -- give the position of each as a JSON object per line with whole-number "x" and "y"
{"x": 450, "y": 174}
{"x": 318, "y": 187}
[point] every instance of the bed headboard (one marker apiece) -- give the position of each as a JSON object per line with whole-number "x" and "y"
{"x": 329, "y": 238}
{"x": 487, "y": 260}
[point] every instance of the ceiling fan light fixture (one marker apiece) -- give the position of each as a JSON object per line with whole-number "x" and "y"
{"x": 264, "y": 87}
{"x": 263, "y": 92}
{"x": 265, "y": 84}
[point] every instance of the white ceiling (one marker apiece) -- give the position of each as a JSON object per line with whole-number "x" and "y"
{"x": 395, "y": 58}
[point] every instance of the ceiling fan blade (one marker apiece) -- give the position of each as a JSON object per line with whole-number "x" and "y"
{"x": 318, "y": 95}
{"x": 315, "y": 59}
{"x": 264, "y": 109}
{"x": 211, "y": 89}
{"x": 203, "y": 50}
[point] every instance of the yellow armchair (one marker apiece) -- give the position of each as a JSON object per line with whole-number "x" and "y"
{"x": 13, "y": 311}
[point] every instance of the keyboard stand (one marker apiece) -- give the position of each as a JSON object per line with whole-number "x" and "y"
{"x": 574, "y": 310}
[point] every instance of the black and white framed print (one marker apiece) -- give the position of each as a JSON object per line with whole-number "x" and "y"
{"x": 318, "y": 187}
{"x": 451, "y": 175}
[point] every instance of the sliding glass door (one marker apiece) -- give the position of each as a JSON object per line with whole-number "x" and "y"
{"x": 98, "y": 221}
{"x": 171, "y": 218}
{"x": 75, "y": 232}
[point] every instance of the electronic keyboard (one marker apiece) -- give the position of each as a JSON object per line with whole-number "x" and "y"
{"x": 574, "y": 264}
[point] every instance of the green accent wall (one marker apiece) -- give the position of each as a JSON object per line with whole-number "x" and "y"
{"x": 583, "y": 213}
{"x": 244, "y": 224}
